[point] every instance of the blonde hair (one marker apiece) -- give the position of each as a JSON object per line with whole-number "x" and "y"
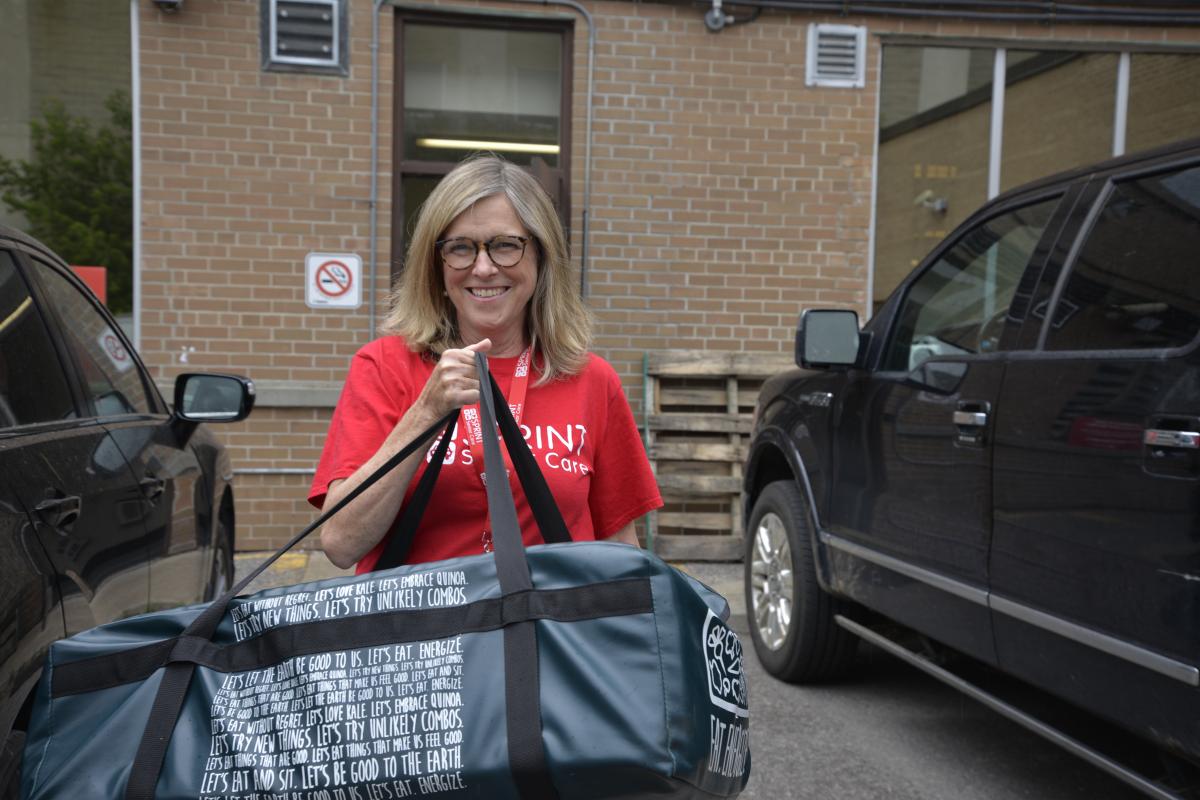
{"x": 558, "y": 324}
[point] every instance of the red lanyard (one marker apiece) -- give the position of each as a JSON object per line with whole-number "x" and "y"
{"x": 516, "y": 403}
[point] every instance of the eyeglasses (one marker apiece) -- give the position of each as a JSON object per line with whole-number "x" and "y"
{"x": 461, "y": 252}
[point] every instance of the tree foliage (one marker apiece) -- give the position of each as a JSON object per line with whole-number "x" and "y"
{"x": 76, "y": 191}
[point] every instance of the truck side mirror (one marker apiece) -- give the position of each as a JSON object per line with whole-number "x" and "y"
{"x": 827, "y": 338}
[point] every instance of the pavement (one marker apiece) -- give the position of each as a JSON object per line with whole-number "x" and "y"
{"x": 311, "y": 565}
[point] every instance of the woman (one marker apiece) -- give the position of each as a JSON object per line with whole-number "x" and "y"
{"x": 487, "y": 270}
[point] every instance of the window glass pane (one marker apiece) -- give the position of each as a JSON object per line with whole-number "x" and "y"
{"x": 1058, "y": 113}
{"x": 1163, "y": 104}
{"x": 1135, "y": 283}
{"x": 934, "y": 118}
{"x": 33, "y": 387}
{"x": 469, "y": 89}
{"x": 111, "y": 376}
{"x": 958, "y": 306}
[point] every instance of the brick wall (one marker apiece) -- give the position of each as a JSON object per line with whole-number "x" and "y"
{"x": 726, "y": 197}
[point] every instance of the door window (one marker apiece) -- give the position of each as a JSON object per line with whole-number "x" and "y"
{"x": 112, "y": 379}
{"x": 1135, "y": 283}
{"x": 958, "y": 305}
{"x": 479, "y": 85}
{"x": 33, "y": 387}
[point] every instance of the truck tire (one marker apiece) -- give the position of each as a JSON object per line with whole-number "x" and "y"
{"x": 790, "y": 616}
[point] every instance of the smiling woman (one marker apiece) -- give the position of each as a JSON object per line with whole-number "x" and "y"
{"x": 487, "y": 271}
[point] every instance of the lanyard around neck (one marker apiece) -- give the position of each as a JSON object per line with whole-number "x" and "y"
{"x": 516, "y": 403}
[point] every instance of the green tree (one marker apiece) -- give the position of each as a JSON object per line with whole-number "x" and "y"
{"x": 76, "y": 191}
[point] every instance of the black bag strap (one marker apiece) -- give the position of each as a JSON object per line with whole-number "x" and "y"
{"x": 537, "y": 492}
{"x": 164, "y": 713}
{"x": 522, "y": 686}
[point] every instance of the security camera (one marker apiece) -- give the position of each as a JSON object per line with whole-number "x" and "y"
{"x": 716, "y": 19}
{"x": 168, "y": 6}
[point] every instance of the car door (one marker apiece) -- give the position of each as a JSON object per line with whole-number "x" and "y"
{"x": 66, "y": 470}
{"x": 166, "y": 472}
{"x": 33, "y": 394}
{"x": 910, "y": 513}
{"x": 1095, "y": 559}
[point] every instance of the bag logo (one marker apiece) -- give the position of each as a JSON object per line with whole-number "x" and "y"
{"x": 726, "y": 678}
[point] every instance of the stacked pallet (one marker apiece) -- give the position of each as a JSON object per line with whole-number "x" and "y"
{"x": 697, "y": 416}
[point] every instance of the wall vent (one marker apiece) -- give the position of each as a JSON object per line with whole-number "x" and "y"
{"x": 837, "y": 56}
{"x": 305, "y": 34}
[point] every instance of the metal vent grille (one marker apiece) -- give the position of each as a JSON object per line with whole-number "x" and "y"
{"x": 836, "y": 56}
{"x": 305, "y": 32}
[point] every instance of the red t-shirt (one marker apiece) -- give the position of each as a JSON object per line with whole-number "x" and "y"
{"x": 580, "y": 429}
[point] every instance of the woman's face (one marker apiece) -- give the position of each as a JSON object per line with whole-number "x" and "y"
{"x": 492, "y": 301}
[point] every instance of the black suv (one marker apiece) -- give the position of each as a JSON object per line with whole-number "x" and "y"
{"x": 1005, "y": 461}
{"x": 110, "y": 505}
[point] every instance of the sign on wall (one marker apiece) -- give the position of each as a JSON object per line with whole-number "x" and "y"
{"x": 332, "y": 280}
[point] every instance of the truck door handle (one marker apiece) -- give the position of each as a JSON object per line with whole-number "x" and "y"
{"x": 1187, "y": 440}
{"x": 971, "y": 419}
{"x": 61, "y": 512}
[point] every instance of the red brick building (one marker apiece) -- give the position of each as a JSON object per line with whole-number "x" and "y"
{"x": 715, "y": 182}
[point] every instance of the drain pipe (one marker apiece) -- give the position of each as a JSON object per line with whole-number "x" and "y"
{"x": 373, "y": 198}
{"x": 373, "y": 201}
{"x": 587, "y": 142}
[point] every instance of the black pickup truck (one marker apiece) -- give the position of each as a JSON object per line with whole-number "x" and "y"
{"x": 1003, "y": 465}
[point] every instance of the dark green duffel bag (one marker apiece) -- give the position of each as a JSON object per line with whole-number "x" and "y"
{"x": 571, "y": 670}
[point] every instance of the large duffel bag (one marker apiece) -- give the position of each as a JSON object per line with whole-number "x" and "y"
{"x": 572, "y": 670}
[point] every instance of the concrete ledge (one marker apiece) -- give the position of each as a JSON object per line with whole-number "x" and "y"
{"x": 284, "y": 394}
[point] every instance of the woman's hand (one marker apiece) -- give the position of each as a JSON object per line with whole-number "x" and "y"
{"x": 454, "y": 382}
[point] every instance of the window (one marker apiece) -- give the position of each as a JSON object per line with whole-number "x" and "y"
{"x": 304, "y": 35}
{"x": 111, "y": 376}
{"x": 1043, "y": 136}
{"x": 958, "y": 305}
{"x": 950, "y": 138}
{"x": 33, "y": 387}
{"x": 470, "y": 85}
{"x": 934, "y": 118}
{"x": 1135, "y": 283}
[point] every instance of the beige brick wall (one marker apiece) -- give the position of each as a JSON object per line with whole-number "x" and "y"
{"x": 726, "y": 197}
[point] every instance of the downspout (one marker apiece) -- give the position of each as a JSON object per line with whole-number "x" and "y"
{"x": 587, "y": 145}
{"x": 587, "y": 142}
{"x": 135, "y": 102}
{"x": 373, "y": 199}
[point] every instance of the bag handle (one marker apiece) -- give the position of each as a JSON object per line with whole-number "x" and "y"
{"x": 522, "y": 685}
{"x": 537, "y": 492}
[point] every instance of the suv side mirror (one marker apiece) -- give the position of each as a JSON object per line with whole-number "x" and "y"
{"x": 213, "y": 398}
{"x": 827, "y": 338}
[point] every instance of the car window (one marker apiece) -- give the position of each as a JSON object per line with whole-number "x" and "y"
{"x": 1136, "y": 281}
{"x": 958, "y": 305}
{"x": 33, "y": 387}
{"x": 111, "y": 376}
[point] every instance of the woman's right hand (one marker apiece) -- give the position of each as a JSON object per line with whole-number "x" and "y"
{"x": 454, "y": 382}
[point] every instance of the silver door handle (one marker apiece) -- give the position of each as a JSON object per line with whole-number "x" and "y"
{"x": 1189, "y": 440}
{"x": 971, "y": 419}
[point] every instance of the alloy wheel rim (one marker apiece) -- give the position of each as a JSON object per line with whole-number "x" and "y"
{"x": 771, "y": 579}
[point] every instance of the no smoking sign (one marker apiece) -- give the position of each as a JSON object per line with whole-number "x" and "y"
{"x": 332, "y": 280}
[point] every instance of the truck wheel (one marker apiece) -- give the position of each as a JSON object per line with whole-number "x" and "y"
{"x": 790, "y": 616}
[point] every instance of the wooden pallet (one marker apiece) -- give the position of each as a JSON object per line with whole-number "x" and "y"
{"x": 696, "y": 422}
